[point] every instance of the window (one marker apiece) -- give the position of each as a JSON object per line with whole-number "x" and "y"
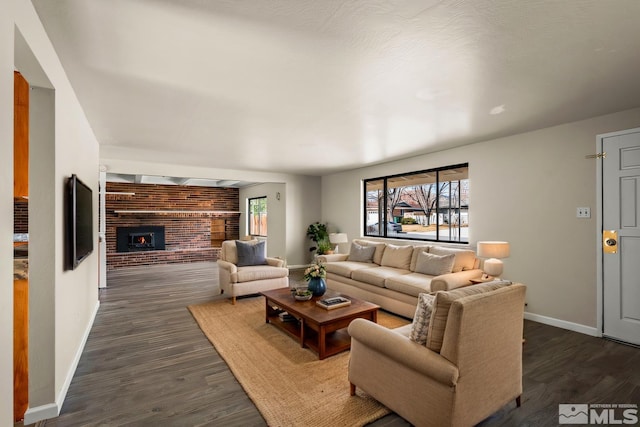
{"x": 258, "y": 216}
{"x": 425, "y": 205}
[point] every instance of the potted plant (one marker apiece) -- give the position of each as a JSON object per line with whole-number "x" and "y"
{"x": 317, "y": 232}
{"x": 324, "y": 248}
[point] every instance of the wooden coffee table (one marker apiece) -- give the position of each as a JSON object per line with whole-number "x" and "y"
{"x": 324, "y": 331}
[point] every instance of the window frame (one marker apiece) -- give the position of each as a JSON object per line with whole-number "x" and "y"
{"x": 250, "y": 230}
{"x": 385, "y": 206}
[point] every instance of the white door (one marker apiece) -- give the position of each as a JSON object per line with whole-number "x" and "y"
{"x": 621, "y": 216}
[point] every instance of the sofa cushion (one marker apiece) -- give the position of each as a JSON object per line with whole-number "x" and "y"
{"x": 361, "y": 253}
{"x": 345, "y": 268}
{"x": 376, "y": 275}
{"x": 416, "y": 251}
{"x": 397, "y": 256}
{"x": 465, "y": 259}
{"x": 442, "y": 303}
{"x": 380, "y": 247}
{"x": 420, "y": 325}
{"x": 260, "y": 272}
{"x": 411, "y": 284}
{"x": 250, "y": 253}
{"x": 434, "y": 265}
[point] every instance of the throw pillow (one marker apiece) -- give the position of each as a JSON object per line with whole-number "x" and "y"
{"x": 251, "y": 253}
{"x": 434, "y": 265}
{"x": 465, "y": 259}
{"x": 397, "y": 256}
{"x": 414, "y": 256}
{"x": 420, "y": 325}
{"x": 361, "y": 253}
{"x": 380, "y": 247}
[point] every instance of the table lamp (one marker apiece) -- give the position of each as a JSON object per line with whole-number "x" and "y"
{"x": 493, "y": 251}
{"x": 337, "y": 238}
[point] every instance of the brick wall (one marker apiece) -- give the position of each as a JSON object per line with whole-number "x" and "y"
{"x": 187, "y": 227}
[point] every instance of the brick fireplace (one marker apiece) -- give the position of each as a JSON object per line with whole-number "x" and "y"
{"x": 162, "y": 224}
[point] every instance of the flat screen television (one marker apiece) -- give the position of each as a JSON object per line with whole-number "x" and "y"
{"x": 79, "y": 221}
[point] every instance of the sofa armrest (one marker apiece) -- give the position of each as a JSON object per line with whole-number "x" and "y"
{"x": 404, "y": 351}
{"x": 332, "y": 257}
{"x": 226, "y": 265}
{"x": 275, "y": 262}
{"x": 446, "y": 282}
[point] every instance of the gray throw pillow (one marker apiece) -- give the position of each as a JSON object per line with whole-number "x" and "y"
{"x": 420, "y": 325}
{"x": 361, "y": 253}
{"x": 434, "y": 265}
{"x": 251, "y": 254}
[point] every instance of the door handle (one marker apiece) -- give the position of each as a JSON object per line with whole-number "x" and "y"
{"x": 610, "y": 241}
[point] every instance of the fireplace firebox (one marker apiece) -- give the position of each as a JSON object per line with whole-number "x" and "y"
{"x": 142, "y": 241}
{"x": 142, "y": 238}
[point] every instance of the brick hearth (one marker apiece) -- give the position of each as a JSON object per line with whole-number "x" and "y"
{"x": 185, "y": 212}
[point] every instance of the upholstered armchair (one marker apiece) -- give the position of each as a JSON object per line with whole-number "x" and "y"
{"x": 473, "y": 368}
{"x": 243, "y": 269}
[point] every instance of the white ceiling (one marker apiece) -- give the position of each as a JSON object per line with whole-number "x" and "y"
{"x": 317, "y": 86}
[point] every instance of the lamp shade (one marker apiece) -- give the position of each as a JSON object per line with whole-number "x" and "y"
{"x": 336, "y": 238}
{"x": 493, "y": 249}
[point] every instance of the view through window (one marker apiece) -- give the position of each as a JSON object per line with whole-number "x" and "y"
{"x": 258, "y": 216}
{"x": 426, "y": 205}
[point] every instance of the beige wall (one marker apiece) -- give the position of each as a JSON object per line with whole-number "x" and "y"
{"x": 524, "y": 189}
{"x": 62, "y": 304}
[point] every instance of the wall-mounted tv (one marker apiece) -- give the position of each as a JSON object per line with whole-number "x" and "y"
{"x": 79, "y": 221}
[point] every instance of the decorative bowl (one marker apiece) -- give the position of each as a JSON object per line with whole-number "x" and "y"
{"x": 302, "y": 294}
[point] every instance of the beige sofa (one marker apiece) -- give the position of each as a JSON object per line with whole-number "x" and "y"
{"x": 468, "y": 372}
{"x": 394, "y": 276}
{"x": 249, "y": 279}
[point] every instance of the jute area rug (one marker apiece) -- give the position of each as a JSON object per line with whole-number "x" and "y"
{"x": 287, "y": 383}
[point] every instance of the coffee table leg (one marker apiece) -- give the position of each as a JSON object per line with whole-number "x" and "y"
{"x": 322, "y": 343}
{"x": 374, "y": 316}
{"x": 266, "y": 310}
{"x": 302, "y": 333}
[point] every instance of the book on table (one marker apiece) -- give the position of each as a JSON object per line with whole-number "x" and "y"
{"x": 286, "y": 317}
{"x": 333, "y": 302}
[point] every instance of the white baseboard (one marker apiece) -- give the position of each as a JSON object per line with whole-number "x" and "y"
{"x": 42, "y": 412}
{"x": 576, "y": 327}
{"x": 52, "y": 410}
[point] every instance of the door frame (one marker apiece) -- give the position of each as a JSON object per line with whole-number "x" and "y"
{"x": 599, "y": 228}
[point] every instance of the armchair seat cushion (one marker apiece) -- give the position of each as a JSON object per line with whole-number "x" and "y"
{"x": 260, "y": 272}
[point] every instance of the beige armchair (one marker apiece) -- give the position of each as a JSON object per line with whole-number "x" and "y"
{"x": 238, "y": 280}
{"x": 477, "y": 371}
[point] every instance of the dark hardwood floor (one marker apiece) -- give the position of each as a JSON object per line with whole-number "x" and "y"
{"x": 146, "y": 362}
